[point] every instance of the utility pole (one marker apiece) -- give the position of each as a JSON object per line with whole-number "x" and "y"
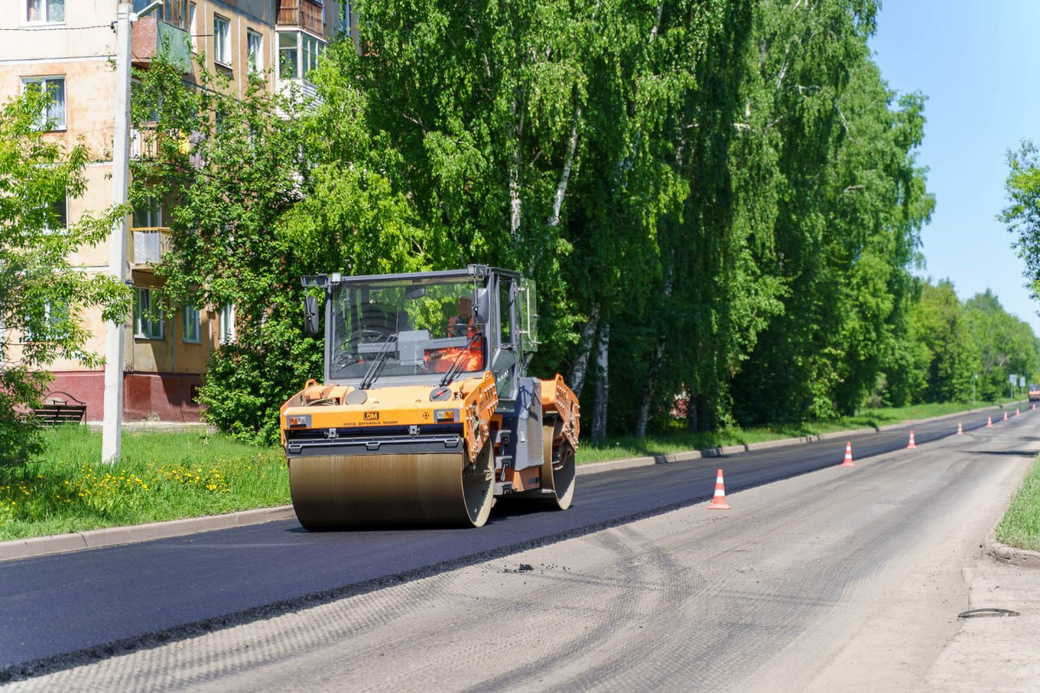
{"x": 112, "y": 427}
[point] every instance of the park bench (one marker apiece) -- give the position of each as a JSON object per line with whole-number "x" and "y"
{"x": 60, "y": 409}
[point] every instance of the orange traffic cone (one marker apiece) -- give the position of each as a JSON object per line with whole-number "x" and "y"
{"x": 848, "y": 456}
{"x": 1005, "y": 415}
{"x": 719, "y": 501}
{"x": 911, "y": 445}
{"x": 960, "y": 429}
{"x": 1017, "y": 412}
{"x": 989, "y": 422}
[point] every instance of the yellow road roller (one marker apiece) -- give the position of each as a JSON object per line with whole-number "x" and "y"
{"x": 426, "y": 414}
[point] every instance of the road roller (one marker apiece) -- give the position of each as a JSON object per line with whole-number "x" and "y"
{"x": 426, "y": 414}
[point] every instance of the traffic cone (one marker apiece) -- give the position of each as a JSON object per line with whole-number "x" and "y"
{"x": 1017, "y": 412}
{"x": 960, "y": 429}
{"x": 1005, "y": 415}
{"x": 989, "y": 422}
{"x": 718, "y": 502}
{"x": 848, "y": 456}
{"x": 911, "y": 445}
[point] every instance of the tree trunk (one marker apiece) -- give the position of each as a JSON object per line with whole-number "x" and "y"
{"x": 647, "y": 393}
{"x": 565, "y": 175}
{"x": 587, "y": 341}
{"x": 514, "y": 195}
{"x": 599, "y": 413}
{"x": 700, "y": 415}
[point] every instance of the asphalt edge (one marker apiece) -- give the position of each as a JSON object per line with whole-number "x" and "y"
{"x": 34, "y": 547}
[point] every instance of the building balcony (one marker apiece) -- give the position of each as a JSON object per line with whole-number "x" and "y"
{"x": 144, "y": 143}
{"x": 151, "y": 243}
{"x": 152, "y": 37}
{"x": 306, "y": 14}
{"x": 299, "y": 88}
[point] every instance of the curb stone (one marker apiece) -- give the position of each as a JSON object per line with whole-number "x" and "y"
{"x": 688, "y": 456}
{"x": 1002, "y": 553}
{"x": 113, "y": 536}
{"x": 34, "y": 547}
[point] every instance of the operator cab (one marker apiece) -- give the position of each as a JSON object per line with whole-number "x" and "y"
{"x": 431, "y": 327}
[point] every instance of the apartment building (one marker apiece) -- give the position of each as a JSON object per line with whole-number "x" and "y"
{"x": 67, "y": 47}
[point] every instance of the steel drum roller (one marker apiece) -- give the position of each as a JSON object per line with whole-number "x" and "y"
{"x": 352, "y": 491}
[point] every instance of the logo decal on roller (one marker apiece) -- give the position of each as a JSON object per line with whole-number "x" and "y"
{"x": 371, "y": 416}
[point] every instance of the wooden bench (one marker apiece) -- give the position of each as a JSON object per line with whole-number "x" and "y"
{"x": 57, "y": 410}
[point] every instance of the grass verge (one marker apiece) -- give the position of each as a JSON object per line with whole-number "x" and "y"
{"x": 680, "y": 440}
{"x": 1021, "y": 524}
{"x": 162, "y": 476}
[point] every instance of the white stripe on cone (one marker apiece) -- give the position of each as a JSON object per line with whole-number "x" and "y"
{"x": 718, "y": 502}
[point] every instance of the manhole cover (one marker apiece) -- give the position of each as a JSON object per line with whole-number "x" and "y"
{"x": 979, "y": 613}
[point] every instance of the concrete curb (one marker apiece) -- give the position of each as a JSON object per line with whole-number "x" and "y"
{"x": 689, "y": 456}
{"x": 115, "y": 536}
{"x": 1002, "y": 553}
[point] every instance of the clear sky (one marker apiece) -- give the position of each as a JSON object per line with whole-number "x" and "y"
{"x": 978, "y": 62}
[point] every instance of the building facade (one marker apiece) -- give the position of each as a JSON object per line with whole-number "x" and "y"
{"x": 67, "y": 47}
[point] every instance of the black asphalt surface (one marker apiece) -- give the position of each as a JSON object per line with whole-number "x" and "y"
{"x": 84, "y": 602}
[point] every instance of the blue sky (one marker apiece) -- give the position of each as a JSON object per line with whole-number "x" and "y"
{"x": 978, "y": 63}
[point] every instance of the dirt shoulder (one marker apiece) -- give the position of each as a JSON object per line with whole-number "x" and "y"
{"x": 995, "y": 653}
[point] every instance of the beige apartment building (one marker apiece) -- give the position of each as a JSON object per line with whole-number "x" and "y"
{"x": 68, "y": 48}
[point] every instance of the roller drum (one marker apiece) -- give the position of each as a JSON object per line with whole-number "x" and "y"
{"x": 368, "y": 491}
{"x": 558, "y": 470}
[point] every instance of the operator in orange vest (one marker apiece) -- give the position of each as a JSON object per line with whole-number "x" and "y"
{"x": 463, "y": 324}
{"x": 460, "y": 325}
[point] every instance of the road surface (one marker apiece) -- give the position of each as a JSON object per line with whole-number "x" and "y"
{"x": 682, "y": 597}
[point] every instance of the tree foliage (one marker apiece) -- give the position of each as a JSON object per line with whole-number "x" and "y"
{"x": 42, "y": 297}
{"x": 718, "y": 198}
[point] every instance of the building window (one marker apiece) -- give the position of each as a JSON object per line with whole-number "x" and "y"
{"x": 343, "y": 21}
{"x": 192, "y": 325}
{"x": 58, "y": 217}
{"x": 255, "y": 51}
{"x": 288, "y": 55}
{"x": 55, "y": 317}
{"x": 51, "y": 11}
{"x": 148, "y": 322}
{"x": 148, "y": 216}
{"x": 312, "y": 48}
{"x": 52, "y": 117}
{"x": 192, "y": 31}
{"x": 222, "y": 40}
{"x": 227, "y": 324}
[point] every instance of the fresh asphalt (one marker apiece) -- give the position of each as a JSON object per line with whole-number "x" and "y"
{"x": 62, "y": 610}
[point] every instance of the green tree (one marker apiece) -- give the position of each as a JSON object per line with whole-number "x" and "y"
{"x": 1022, "y": 214}
{"x": 268, "y": 189}
{"x": 42, "y": 297}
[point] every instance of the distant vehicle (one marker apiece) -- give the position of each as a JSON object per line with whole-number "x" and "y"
{"x": 1034, "y": 393}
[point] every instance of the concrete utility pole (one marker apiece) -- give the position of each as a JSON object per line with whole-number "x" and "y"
{"x": 112, "y": 427}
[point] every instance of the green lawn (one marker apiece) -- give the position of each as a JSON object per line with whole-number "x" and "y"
{"x": 1021, "y": 524}
{"x": 162, "y": 476}
{"x": 167, "y": 476}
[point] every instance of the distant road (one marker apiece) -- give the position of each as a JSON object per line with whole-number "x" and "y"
{"x": 83, "y": 602}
